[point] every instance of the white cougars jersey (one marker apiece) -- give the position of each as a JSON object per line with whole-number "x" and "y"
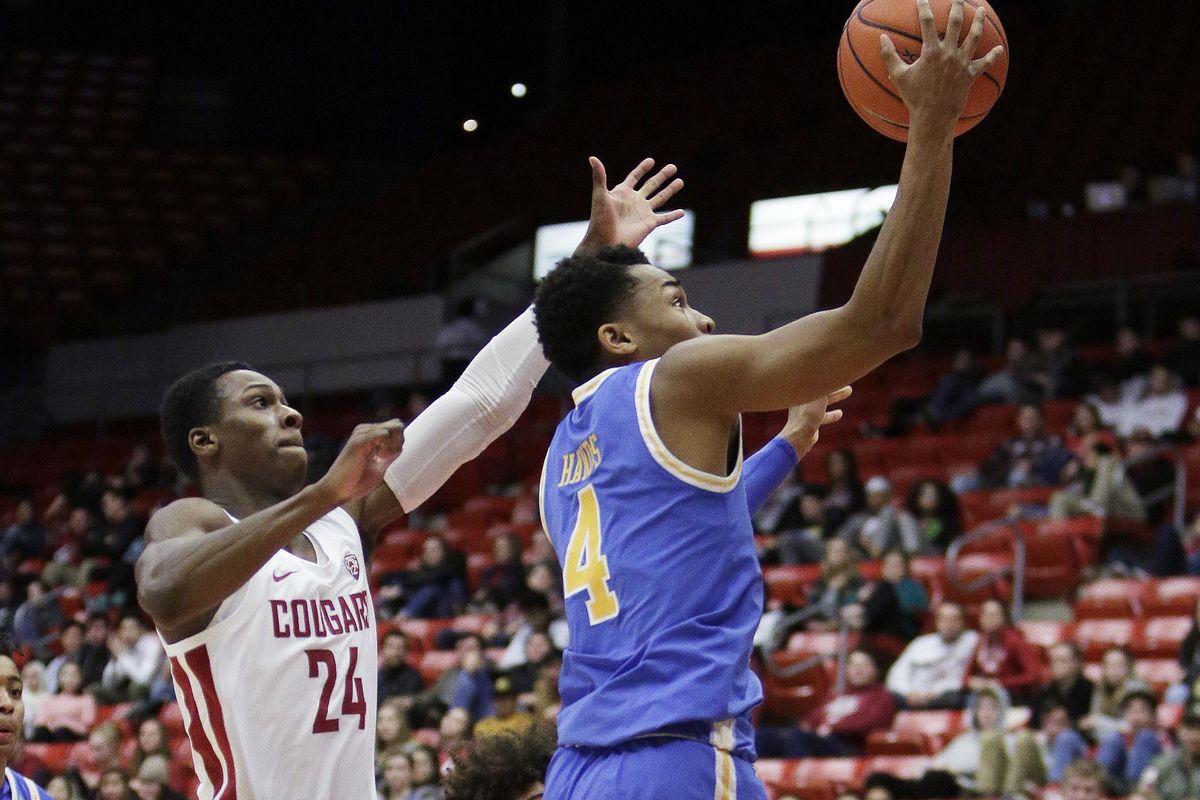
{"x": 278, "y": 693}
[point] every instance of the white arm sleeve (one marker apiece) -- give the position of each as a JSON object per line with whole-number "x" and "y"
{"x": 481, "y": 405}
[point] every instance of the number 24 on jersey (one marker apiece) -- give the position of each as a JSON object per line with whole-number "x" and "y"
{"x": 586, "y": 568}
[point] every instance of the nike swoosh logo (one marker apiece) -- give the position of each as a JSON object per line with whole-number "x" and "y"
{"x": 277, "y": 577}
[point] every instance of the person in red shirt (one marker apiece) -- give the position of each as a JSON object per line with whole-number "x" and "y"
{"x": 1003, "y": 655}
{"x": 840, "y": 725}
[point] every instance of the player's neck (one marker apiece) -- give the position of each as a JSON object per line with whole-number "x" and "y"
{"x": 239, "y": 499}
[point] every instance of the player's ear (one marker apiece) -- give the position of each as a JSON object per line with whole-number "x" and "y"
{"x": 615, "y": 339}
{"x": 202, "y": 441}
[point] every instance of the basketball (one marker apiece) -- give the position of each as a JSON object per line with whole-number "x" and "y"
{"x": 865, "y": 79}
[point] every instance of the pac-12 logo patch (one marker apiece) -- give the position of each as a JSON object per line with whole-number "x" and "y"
{"x": 351, "y": 562}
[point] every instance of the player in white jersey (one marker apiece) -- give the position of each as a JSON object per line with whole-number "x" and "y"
{"x": 258, "y": 588}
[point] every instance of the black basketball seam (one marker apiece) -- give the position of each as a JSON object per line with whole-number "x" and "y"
{"x": 867, "y": 72}
{"x": 879, "y": 26}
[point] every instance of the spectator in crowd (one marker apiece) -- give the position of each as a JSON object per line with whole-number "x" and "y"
{"x": 151, "y": 780}
{"x": 546, "y": 580}
{"x": 426, "y": 775}
{"x": 459, "y": 340}
{"x": 503, "y": 767}
{"x": 1059, "y": 372}
{"x": 1176, "y": 775}
{"x": 63, "y": 568}
{"x": 1117, "y": 680}
{"x": 934, "y": 506}
{"x": 910, "y": 592}
{"x": 881, "y": 526}
{"x": 845, "y": 495}
{"x": 803, "y": 542}
{"x": 1108, "y": 402}
{"x": 545, "y": 701}
{"x": 504, "y": 578}
{"x": 136, "y": 656}
{"x": 1158, "y": 410}
{"x": 1183, "y": 356}
{"x": 69, "y": 714}
{"x": 59, "y": 788}
{"x": 1097, "y": 485}
{"x": 1126, "y": 753}
{"x": 1031, "y": 458}
{"x": 931, "y": 671}
{"x": 87, "y": 765}
{"x": 72, "y": 639}
{"x": 25, "y": 538}
{"x": 37, "y": 621}
{"x": 396, "y": 780}
{"x": 840, "y": 725}
{"x": 454, "y": 730}
{"x": 397, "y": 678}
{"x": 538, "y": 648}
{"x": 142, "y": 470}
{"x": 957, "y": 392}
{"x": 1014, "y": 382}
{"x": 391, "y": 730}
{"x": 95, "y": 655}
{"x": 957, "y": 768}
{"x": 114, "y": 785}
{"x": 122, "y": 531}
{"x": 151, "y": 741}
{"x": 472, "y": 688}
{"x": 781, "y": 510}
{"x": 535, "y": 618}
{"x": 1083, "y": 780}
{"x": 1036, "y": 756}
{"x": 1189, "y": 660}
{"x": 1068, "y": 686}
{"x": 1003, "y": 656}
{"x": 837, "y": 588}
{"x": 508, "y": 719}
{"x": 427, "y": 707}
{"x": 436, "y": 589}
{"x": 1132, "y": 359}
{"x": 33, "y": 692}
{"x": 1087, "y": 426}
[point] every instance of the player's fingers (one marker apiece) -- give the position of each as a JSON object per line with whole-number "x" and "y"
{"x": 668, "y": 191}
{"x": 929, "y": 34}
{"x": 639, "y": 172}
{"x": 971, "y": 44}
{"x": 668, "y": 217}
{"x": 982, "y": 65}
{"x": 657, "y": 180}
{"x": 891, "y": 59}
{"x": 599, "y": 178}
{"x": 840, "y": 395}
{"x": 831, "y": 416}
{"x": 954, "y": 24}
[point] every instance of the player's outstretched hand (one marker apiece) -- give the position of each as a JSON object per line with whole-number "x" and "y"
{"x": 360, "y": 466}
{"x": 803, "y": 427}
{"x": 626, "y": 214}
{"x": 938, "y": 82}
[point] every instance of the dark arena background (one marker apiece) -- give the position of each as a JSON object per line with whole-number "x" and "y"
{"x": 348, "y": 195}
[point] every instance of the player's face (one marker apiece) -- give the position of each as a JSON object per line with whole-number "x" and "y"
{"x": 12, "y": 707}
{"x": 258, "y": 438}
{"x": 658, "y": 316}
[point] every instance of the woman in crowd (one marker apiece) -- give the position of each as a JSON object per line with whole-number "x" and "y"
{"x": 33, "y": 676}
{"x": 1003, "y": 655}
{"x": 391, "y": 730}
{"x": 935, "y": 508}
{"x": 68, "y": 715}
{"x": 910, "y": 592}
{"x": 426, "y": 774}
{"x": 846, "y": 495}
{"x": 396, "y": 783}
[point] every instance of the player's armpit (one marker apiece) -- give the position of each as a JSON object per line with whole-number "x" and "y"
{"x": 797, "y": 363}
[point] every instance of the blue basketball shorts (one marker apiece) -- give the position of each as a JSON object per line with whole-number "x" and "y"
{"x": 652, "y": 768}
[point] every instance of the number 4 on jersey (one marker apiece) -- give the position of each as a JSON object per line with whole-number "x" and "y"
{"x": 586, "y": 568}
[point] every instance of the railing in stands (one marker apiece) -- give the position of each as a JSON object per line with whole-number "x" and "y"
{"x": 1016, "y": 568}
{"x": 775, "y": 643}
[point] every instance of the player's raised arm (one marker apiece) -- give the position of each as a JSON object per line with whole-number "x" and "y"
{"x": 817, "y": 354}
{"x": 495, "y": 388}
{"x": 195, "y": 556}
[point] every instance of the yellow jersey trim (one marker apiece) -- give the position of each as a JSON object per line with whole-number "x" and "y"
{"x": 668, "y": 460}
{"x": 586, "y": 390}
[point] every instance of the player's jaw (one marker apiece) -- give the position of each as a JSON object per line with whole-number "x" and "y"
{"x": 659, "y": 314}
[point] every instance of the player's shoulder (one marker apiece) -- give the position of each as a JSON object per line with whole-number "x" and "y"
{"x": 184, "y": 516}
{"x": 27, "y": 789}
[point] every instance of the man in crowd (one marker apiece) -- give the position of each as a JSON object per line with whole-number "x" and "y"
{"x": 1067, "y": 685}
{"x": 931, "y": 671}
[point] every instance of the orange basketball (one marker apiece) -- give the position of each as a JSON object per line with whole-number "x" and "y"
{"x": 865, "y": 79}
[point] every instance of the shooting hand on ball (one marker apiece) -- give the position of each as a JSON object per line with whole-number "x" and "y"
{"x": 937, "y": 84}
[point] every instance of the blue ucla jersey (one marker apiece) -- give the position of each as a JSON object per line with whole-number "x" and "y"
{"x": 663, "y": 586}
{"x": 17, "y": 787}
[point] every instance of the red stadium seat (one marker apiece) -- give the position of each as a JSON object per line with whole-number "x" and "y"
{"x": 1095, "y": 636}
{"x": 911, "y": 767}
{"x": 434, "y": 662}
{"x": 1172, "y": 596}
{"x": 839, "y": 773}
{"x": 1046, "y": 633}
{"x": 1169, "y": 716}
{"x": 1160, "y": 672}
{"x": 1160, "y": 637}
{"x": 425, "y": 630}
{"x": 172, "y": 719}
{"x": 790, "y": 583}
{"x": 899, "y": 743}
{"x": 55, "y": 756}
{"x": 1110, "y": 598}
{"x": 937, "y": 726}
{"x": 788, "y": 699}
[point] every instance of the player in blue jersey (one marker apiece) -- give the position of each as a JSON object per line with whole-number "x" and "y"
{"x": 15, "y": 786}
{"x": 644, "y": 493}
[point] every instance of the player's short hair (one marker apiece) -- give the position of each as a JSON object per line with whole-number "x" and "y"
{"x": 503, "y": 766}
{"x": 190, "y": 402}
{"x": 579, "y": 295}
